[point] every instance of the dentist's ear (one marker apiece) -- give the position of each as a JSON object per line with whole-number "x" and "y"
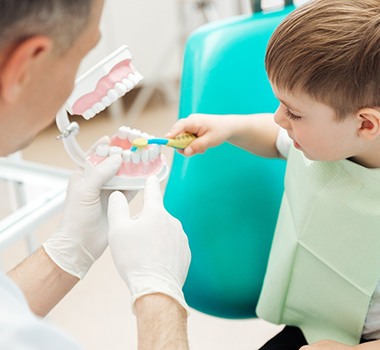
{"x": 369, "y": 123}
{"x": 18, "y": 63}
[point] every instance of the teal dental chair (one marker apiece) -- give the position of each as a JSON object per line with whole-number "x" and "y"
{"x": 227, "y": 199}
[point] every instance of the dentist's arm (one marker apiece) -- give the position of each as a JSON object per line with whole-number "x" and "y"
{"x": 161, "y": 323}
{"x": 49, "y": 274}
{"x": 42, "y": 282}
{"x": 152, "y": 256}
{"x": 255, "y": 133}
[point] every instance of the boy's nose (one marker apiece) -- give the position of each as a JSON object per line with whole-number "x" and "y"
{"x": 281, "y": 119}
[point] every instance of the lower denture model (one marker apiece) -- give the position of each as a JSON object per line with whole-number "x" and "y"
{"x": 94, "y": 91}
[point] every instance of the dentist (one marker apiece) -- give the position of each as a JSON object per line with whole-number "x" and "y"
{"x": 42, "y": 43}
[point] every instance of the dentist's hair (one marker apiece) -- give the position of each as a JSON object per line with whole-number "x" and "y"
{"x": 329, "y": 50}
{"x": 62, "y": 20}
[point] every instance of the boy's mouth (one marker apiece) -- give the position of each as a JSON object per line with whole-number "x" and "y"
{"x": 296, "y": 144}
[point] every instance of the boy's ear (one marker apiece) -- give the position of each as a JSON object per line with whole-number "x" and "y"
{"x": 18, "y": 64}
{"x": 369, "y": 123}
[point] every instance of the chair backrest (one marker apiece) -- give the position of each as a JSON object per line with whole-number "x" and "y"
{"x": 227, "y": 199}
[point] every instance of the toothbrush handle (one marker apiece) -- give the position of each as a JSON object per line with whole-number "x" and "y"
{"x": 181, "y": 141}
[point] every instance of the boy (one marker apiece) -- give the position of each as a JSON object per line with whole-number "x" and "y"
{"x": 323, "y": 274}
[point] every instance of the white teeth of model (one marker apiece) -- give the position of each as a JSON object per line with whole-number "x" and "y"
{"x": 127, "y": 155}
{"x": 112, "y": 95}
{"x": 128, "y": 84}
{"x": 120, "y": 89}
{"x": 133, "y": 78}
{"x": 106, "y": 101}
{"x": 136, "y": 157}
{"x": 145, "y": 156}
{"x": 138, "y": 76}
{"x": 133, "y": 134}
{"x": 115, "y": 150}
{"x": 89, "y": 114}
{"x": 153, "y": 154}
{"x": 145, "y": 136}
{"x": 98, "y": 107}
{"x": 123, "y": 132}
{"x": 102, "y": 150}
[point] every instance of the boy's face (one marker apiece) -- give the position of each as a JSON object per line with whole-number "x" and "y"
{"x": 315, "y": 129}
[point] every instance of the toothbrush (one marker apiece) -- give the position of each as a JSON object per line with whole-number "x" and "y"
{"x": 179, "y": 142}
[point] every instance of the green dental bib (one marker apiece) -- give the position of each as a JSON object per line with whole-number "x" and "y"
{"x": 325, "y": 258}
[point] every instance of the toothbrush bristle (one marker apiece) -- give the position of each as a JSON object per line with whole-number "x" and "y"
{"x": 140, "y": 142}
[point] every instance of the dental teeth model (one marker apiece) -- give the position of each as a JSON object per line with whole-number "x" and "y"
{"x": 95, "y": 90}
{"x": 137, "y": 165}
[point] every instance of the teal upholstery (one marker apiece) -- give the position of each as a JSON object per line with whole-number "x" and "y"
{"x": 227, "y": 199}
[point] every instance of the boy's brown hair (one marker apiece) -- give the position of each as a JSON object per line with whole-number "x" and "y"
{"x": 330, "y": 50}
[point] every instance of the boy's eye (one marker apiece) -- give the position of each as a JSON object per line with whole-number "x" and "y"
{"x": 290, "y": 115}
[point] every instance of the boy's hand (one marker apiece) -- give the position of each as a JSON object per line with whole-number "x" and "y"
{"x": 327, "y": 345}
{"x": 211, "y": 131}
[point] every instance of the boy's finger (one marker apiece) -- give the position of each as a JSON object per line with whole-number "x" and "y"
{"x": 199, "y": 145}
{"x": 178, "y": 127}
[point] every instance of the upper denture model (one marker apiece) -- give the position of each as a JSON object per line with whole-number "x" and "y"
{"x": 102, "y": 85}
{"x": 94, "y": 91}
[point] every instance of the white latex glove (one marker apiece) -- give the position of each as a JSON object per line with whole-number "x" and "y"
{"x": 151, "y": 252}
{"x": 83, "y": 234}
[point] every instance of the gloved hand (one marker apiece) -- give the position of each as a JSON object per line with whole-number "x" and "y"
{"x": 82, "y": 236}
{"x": 151, "y": 252}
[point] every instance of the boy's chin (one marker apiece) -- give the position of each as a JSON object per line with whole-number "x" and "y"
{"x": 310, "y": 157}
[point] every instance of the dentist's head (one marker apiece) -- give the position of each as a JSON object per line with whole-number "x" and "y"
{"x": 42, "y": 43}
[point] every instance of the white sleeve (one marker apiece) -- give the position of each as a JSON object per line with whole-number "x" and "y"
{"x": 20, "y": 329}
{"x": 283, "y": 143}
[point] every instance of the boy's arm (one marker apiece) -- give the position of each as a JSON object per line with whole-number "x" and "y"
{"x": 332, "y": 345}
{"x": 255, "y": 133}
{"x": 373, "y": 345}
